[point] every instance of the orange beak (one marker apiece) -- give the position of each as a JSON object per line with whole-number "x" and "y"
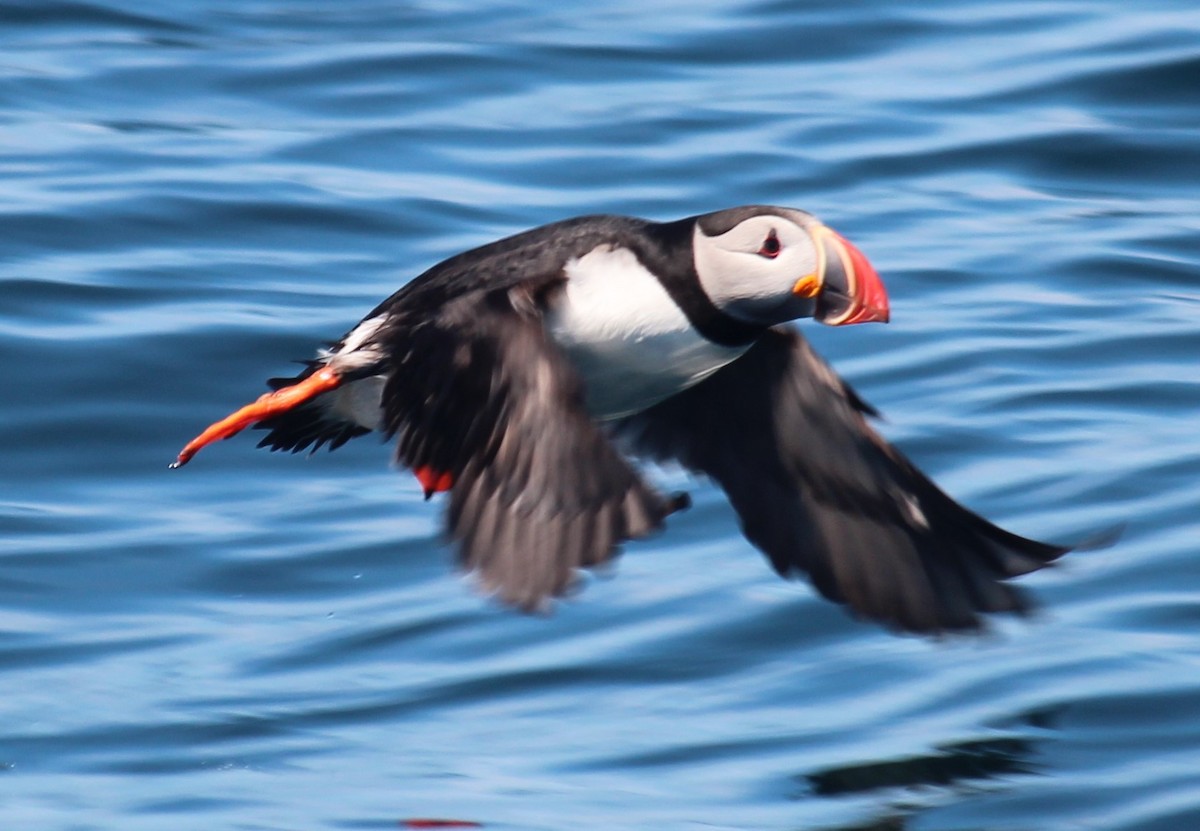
{"x": 851, "y": 291}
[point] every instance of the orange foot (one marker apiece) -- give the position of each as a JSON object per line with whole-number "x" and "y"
{"x": 268, "y": 405}
{"x": 433, "y": 481}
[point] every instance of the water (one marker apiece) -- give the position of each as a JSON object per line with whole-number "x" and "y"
{"x": 195, "y": 194}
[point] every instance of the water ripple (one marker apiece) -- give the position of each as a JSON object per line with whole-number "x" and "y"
{"x": 198, "y": 194}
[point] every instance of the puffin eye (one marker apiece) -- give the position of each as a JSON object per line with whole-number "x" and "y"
{"x": 770, "y": 247}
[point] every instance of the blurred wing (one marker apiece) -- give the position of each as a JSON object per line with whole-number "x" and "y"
{"x": 480, "y": 398}
{"x": 821, "y": 493}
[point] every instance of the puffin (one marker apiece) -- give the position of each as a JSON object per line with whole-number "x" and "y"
{"x": 527, "y": 378}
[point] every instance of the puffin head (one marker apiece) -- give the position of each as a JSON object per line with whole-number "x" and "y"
{"x": 768, "y": 265}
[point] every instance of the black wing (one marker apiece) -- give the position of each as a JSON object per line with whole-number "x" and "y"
{"x": 480, "y": 392}
{"x": 821, "y": 493}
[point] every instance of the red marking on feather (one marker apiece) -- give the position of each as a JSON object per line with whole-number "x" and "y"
{"x": 433, "y": 481}
{"x": 268, "y": 405}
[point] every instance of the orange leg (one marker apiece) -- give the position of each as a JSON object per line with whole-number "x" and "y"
{"x": 267, "y": 405}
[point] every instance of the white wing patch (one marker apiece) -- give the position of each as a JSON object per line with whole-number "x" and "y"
{"x": 356, "y": 349}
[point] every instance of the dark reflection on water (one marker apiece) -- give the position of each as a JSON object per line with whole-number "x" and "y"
{"x": 946, "y": 765}
{"x": 912, "y": 785}
{"x": 196, "y": 194}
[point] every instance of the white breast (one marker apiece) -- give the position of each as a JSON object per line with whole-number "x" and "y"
{"x": 630, "y": 341}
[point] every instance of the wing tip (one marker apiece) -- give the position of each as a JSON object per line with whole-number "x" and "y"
{"x": 1018, "y": 602}
{"x": 1101, "y": 538}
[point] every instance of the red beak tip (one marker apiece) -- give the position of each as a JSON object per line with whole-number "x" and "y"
{"x": 870, "y": 297}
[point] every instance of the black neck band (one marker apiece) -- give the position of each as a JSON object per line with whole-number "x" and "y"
{"x": 673, "y": 264}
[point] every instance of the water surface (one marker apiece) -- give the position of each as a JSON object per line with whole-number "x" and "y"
{"x": 196, "y": 194}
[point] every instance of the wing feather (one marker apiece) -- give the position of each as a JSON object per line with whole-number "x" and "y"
{"x": 481, "y": 392}
{"x": 824, "y": 495}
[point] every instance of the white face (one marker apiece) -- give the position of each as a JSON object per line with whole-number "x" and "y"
{"x": 752, "y": 270}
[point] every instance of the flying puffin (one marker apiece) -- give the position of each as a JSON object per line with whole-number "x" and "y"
{"x": 518, "y": 376}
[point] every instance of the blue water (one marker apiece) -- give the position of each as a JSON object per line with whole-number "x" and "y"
{"x": 193, "y": 194}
